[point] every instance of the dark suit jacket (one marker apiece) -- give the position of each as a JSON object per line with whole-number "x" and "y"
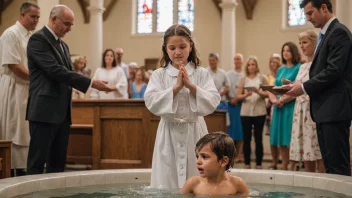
{"x": 330, "y": 84}
{"x": 51, "y": 78}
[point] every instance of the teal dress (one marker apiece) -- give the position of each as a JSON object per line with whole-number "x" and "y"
{"x": 281, "y": 123}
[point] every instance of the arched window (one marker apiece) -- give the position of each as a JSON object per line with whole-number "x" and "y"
{"x": 157, "y": 15}
{"x": 295, "y": 14}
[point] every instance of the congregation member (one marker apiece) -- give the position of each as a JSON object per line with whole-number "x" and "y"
{"x": 253, "y": 110}
{"x": 115, "y": 77}
{"x": 220, "y": 79}
{"x": 79, "y": 66}
{"x": 234, "y": 107}
{"x": 119, "y": 55}
{"x": 274, "y": 65}
{"x": 282, "y": 115}
{"x": 304, "y": 144}
{"x": 139, "y": 86}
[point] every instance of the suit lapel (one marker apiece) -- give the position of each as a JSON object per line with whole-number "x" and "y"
{"x": 57, "y": 48}
{"x": 323, "y": 40}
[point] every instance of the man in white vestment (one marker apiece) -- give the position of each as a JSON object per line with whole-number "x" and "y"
{"x": 14, "y": 84}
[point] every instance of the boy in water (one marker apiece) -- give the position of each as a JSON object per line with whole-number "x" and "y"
{"x": 215, "y": 153}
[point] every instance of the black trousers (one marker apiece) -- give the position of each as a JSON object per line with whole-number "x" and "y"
{"x": 333, "y": 138}
{"x": 247, "y": 124}
{"x": 48, "y": 145}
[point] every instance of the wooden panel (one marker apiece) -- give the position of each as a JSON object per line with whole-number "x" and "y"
{"x": 80, "y": 146}
{"x": 122, "y": 112}
{"x": 5, "y": 155}
{"x": 123, "y": 133}
{"x": 122, "y": 140}
{"x": 82, "y": 115}
{"x": 96, "y": 141}
{"x": 216, "y": 121}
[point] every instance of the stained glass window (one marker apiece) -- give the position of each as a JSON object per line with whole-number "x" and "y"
{"x": 186, "y": 13}
{"x": 165, "y": 15}
{"x": 145, "y": 16}
{"x": 295, "y": 14}
{"x": 158, "y": 15}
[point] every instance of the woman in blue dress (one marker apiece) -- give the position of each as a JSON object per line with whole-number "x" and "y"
{"x": 281, "y": 126}
{"x": 139, "y": 86}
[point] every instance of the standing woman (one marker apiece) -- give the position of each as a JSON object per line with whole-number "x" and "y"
{"x": 281, "y": 125}
{"x": 114, "y": 75}
{"x": 274, "y": 65}
{"x": 304, "y": 142}
{"x": 79, "y": 65}
{"x": 139, "y": 86}
{"x": 253, "y": 111}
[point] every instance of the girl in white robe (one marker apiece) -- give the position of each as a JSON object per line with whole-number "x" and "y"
{"x": 114, "y": 75}
{"x": 181, "y": 95}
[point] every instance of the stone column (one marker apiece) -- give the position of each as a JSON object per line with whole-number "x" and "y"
{"x": 343, "y": 12}
{"x": 228, "y": 33}
{"x": 45, "y": 8}
{"x": 96, "y": 33}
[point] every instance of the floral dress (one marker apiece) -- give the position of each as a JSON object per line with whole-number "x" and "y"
{"x": 304, "y": 142}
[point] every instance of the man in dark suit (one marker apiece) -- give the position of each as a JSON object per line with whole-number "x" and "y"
{"x": 330, "y": 86}
{"x": 49, "y": 101}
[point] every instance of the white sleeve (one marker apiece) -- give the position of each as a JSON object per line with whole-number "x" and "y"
{"x": 121, "y": 84}
{"x": 10, "y": 49}
{"x": 207, "y": 96}
{"x": 158, "y": 100}
{"x": 94, "y": 92}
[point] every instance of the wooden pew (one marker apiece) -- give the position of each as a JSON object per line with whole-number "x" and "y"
{"x": 5, "y": 159}
{"x": 80, "y": 148}
{"x": 110, "y": 134}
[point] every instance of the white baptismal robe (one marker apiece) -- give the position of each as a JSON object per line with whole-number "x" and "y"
{"x": 14, "y": 93}
{"x": 115, "y": 77}
{"x": 181, "y": 125}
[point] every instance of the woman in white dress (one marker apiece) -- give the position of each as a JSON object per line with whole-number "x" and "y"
{"x": 114, "y": 75}
{"x": 181, "y": 92}
{"x": 304, "y": 141}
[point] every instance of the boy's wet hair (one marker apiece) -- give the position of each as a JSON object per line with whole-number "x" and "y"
{"x": 179, "y": 30}
{"x": 221, "y": 144}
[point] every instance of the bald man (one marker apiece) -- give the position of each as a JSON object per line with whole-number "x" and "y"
{"x": 49, "y": 103}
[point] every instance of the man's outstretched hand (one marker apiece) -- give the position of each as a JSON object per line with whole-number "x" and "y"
{"x": 101, "y": 85}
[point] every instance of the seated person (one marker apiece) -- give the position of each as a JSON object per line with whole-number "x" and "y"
{"x": 215, "y": 153}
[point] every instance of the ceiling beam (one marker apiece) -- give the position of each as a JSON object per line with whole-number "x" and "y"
{"x": 83, "y": 4}
{"x": 3, "y": 5}
{"x": 217, "y": 5}
{"x": 108, "y": 9}
{"x": 249, "y": 6}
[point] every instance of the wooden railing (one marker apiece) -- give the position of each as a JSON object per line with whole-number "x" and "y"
{"x": 111, "y": 134}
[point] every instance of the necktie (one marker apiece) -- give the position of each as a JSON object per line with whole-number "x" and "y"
{"x": 320, "y": 38}
{"x": 61, "y": 47}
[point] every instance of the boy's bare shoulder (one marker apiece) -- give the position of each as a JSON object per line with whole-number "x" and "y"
{"x": 195, "y": 180}
{"x": 235, "y": 180}
{"x": 240, "y": 185}
{"x": 190, "y": 184}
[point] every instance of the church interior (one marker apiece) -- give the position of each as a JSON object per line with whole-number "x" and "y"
{"x": 108, "y": 134}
